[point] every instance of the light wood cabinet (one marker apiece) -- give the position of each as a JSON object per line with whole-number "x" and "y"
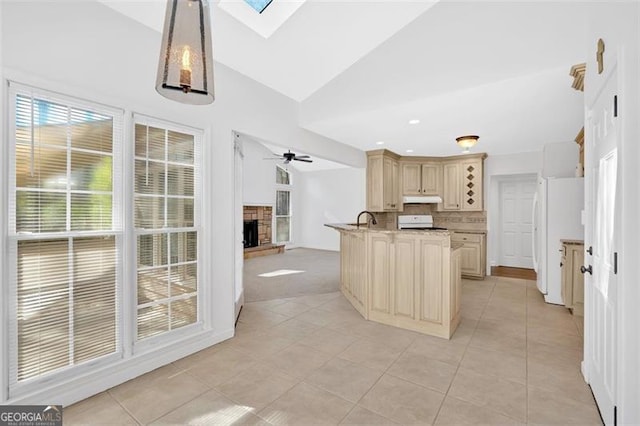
{"x": 383, "y": 181}
{"x": 353, "y": 271}
{"x": 457, "y": 179}
{"x": 463, "y": 185}
{"x": 379, "y": 253}
{"x": 431, "y": 177}
{"x": 402, "y": 279}
{"x": 472, "y": 254}
{"x": 572, "y": 279}
{"x": 451, "y": 187}
{"x": 420, "y": 178}
{"x": 471, "y": 185}
{"x": 456, "y": 285}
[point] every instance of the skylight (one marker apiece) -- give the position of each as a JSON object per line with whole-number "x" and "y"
{"x": 259, "y": 5}
{"x": 265, "y": 23}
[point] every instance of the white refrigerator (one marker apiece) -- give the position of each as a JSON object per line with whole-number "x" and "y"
{"x": 557, "y": 215}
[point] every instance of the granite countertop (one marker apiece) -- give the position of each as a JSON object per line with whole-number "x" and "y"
{"x": 574, "y": 242}
{"x": 353, "y": 228}
{"x": 463, "y": 231}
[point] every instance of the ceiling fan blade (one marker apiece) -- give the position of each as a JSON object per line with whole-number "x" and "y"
{"x": 303, "y": 160}
{"x": 302, "y": 156}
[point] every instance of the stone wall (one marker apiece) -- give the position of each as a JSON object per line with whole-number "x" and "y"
{"x": 263, "y": 215}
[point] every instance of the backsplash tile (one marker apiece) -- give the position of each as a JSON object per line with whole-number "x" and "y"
{"x": 460, "y": 221}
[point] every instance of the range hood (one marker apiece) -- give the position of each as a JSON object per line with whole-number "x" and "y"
{"x": 431, "y": 199}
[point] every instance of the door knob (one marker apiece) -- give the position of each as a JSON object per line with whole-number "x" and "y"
{"x": 590, "y": 250}
{"x": 589, "y": 270}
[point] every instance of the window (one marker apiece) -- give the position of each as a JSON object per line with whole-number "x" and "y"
{"x": 166, "y": 228}
{"x": 283, "y": 205}
{"x": 282, "y": 176}
{"x": 258, "y": 5}
{"x": 283, "y": 216}
{"x": 63, "y": 233}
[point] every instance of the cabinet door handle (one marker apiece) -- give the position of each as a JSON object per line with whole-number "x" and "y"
{"x": 590, "y": 250}
{"x": 589, "y": 270}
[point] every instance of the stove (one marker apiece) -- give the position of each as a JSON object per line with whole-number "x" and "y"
{"x": 418, "y": 222}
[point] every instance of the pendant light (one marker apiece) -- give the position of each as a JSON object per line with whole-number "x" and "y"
{"x": 185, "y": 68}
{"x": 467, "y": 142}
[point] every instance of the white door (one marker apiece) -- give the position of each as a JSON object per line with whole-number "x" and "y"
{"x": 238, "y": 226}
{"x": 516, "y": 228}
{"x": 602, "y": 234}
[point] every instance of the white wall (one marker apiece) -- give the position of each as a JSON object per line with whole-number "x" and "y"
{"x": 330, "y": 196}
{"x": 497, "y": 167}
{"x": 89, "y": 51}
{"x": 259, "y": 185}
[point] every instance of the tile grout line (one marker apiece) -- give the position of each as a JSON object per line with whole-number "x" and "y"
{"x": 123, "y": 407}
{"x": 464, "y": 353}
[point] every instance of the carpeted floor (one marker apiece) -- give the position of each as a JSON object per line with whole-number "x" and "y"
{"x": 320, "y": 274}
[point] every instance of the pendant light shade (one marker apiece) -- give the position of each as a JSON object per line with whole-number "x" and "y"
{"x": 467, "y": 142}
{"x": 185, "y": 68}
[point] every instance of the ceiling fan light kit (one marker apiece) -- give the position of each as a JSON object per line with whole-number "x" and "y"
{"x": 185, "y": 66}
{"x": 467, "y": 142}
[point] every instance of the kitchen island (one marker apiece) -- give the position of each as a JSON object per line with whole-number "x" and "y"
{"x": 403, "y": 278}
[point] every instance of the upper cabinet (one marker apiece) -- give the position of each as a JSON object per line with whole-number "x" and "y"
{"x": 458, "y": 180}
{"x": 451, "y": 192}
{"x": 421, "y": 178}
{"x": 383, "y": 181}
{"x": 472, "y": 184}
{"x": 463, "y": 184}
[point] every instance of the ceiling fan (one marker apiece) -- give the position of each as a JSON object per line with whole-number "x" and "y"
{"x": 288, "y": 156}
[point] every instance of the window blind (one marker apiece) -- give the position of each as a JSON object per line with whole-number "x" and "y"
{"x": 166, "y": 227}
{"x": 283, "y": 216}
{"x": 63, "y": 236}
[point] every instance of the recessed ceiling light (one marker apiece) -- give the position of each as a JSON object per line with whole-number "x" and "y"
{"x": 414, "y": 121}
{"x": 380, "y": 143}
{"x": 409, "y": 151}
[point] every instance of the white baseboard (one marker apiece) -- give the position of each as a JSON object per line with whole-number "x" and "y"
{"x": 82, "y": 387}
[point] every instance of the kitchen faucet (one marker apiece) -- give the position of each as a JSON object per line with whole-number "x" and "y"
{"x": 373, "y": 218}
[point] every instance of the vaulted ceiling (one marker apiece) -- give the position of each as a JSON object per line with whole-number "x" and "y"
{"x": 361, "y": 70}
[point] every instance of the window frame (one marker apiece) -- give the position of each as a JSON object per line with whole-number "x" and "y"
{"x": 19, "y": 388}
{"x": 282, "y": 187}
{"x": 149, "y": 343}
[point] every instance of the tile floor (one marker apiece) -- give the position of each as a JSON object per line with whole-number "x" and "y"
{"x": 314, "y": 360}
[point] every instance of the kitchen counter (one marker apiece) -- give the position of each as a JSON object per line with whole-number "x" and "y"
{"x": 365, "y": 228}
{"x": 462, "y": 231}
{"x": 572, "y": 242}
{"x": 409, "y": 279}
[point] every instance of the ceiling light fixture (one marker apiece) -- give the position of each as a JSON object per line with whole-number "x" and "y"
{"x": 409, "y": 151}
{"x": 414, "y": 121}
{"x": 185, "y": 67}
{"x": 380, "y": 143}
{"x": 467, "y": 142}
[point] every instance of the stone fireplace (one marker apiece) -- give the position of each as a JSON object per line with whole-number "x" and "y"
{"x": 262, "y": 216}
